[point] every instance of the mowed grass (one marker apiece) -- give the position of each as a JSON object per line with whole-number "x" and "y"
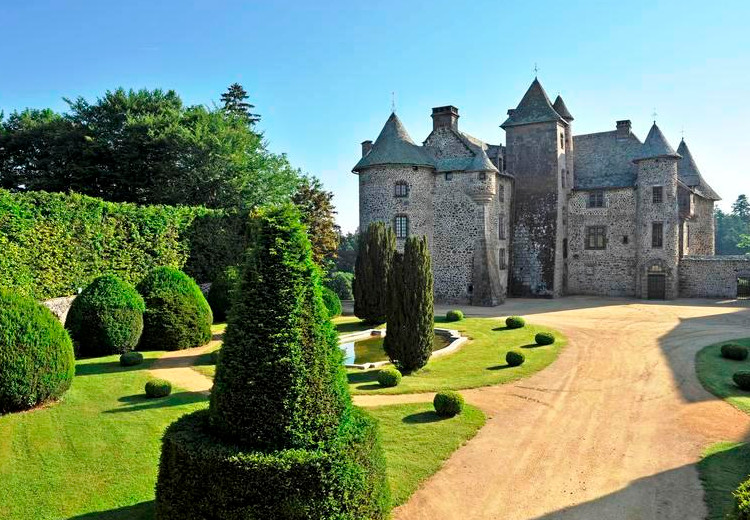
{"x": 724, "y": 465}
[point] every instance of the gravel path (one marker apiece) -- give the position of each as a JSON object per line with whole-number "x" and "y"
{"x": 175, "y": 367}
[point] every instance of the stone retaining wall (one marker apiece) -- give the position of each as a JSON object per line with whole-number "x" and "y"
{"x": 60, "y": 306}
{"x": 712, "y": 276}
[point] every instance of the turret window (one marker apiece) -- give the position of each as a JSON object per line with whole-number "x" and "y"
{"x": 501, "y": 259}
{"x": 401, "y": 226}
{"x": 657, "y": 234}
{"x": 596, "y": 237}
{"x": 501, "y": 227}
{"x": 402, "y": 189}
{"x": 657, "y": 194}
{"x": 596, "y": 199}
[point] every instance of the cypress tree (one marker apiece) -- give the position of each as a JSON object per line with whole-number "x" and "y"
{"x": 411, "y": 312}
{"x": 371, "y": 272}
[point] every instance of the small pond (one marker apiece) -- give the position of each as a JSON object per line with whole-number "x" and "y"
{"x": 370, "y": 350}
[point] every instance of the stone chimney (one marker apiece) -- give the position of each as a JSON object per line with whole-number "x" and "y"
{"x": 366, "y": 147}
{"x": 623, "y": 129}
{"x": 445, "y": 117}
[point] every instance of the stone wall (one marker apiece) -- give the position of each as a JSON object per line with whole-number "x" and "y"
{"x": 712, "y": 276}
{"x": 700, "y": 239}
{"x": 60, "y": 306}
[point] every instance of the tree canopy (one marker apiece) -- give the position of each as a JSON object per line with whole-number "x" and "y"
{"x": 319, "y": 215}
{"x": 733, "y": 229}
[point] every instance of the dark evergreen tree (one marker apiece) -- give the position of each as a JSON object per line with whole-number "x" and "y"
{"x": 319, "y": 215}
{"x": 411, "y": 313}
{"x": 235, "y": 102}
{"x": 372, "y": 268}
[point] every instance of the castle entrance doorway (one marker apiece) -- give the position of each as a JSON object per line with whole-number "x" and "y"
{"x": 657, "y": 283}
{"x": 743, "y": 287}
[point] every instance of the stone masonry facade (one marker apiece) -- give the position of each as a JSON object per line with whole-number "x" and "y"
{"x": 548, "y": 213}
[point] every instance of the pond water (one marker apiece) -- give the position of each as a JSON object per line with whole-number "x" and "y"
{"x": 370, "y": 350}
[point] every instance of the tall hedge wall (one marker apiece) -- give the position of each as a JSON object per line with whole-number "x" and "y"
{"x": 51, "y": 244}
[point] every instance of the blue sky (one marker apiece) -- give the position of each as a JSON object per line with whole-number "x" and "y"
{"x": 321, "y": 74}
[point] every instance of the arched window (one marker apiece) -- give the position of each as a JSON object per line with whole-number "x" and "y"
{"x": 402, "y": 189}
{"x": 401, "y": 226}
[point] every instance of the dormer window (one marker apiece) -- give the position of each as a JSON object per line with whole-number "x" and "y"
{"x": 402, "y": 189}
{"x": 596, "y": 199}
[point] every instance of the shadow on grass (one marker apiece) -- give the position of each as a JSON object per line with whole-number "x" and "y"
{"x": 423, "y": 417}
{"x": 142, "y": 511}
{"x": 531, "y": 345}
{"x": 721, "y": 472}
{"x": 502, "y": 328}
{"x": 355, "y": 326}
{"x": 138, "y": 402}
{"x": 110, "y": 367}
{"x": 499, "y": 367}
{"x": 368, "y": 376}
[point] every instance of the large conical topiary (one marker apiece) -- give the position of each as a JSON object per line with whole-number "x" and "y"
{"x": 371, "y": 271}
{"x": 280, "y": 439}
{"x": 411, "y": 315}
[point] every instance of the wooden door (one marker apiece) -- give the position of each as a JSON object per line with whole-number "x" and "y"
{"x": 657, "y": 286}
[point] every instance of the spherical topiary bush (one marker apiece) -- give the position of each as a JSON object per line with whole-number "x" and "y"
{"x": 514, "y": 359}
{"x": 544, "y": 338}
{"x": 742, "y": 380}
{"x": 106, "y": 318}
{"x": 158, "y": 388}
{"x": 332, "y": 302}
{"x": 514, "y": 322}
{"x": 454, "y": 315}
{"x": 177, "y": 314}
{"x": 131, "y": 359}
{"x": 389, "y": 377}
{"x": 742, "y": 501}
{"x": 448, "y": 403}
{"x": 220, "y": 295}
{"x": 734, "y": 351}
{"x": 36, "y": 354}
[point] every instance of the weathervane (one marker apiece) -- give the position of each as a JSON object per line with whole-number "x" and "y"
{"x": 536, "y": 70}
{"x": 393, "y": 102}
{"x": 654, "y": 114}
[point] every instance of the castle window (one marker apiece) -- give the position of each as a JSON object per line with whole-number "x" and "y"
{"x": 448, "y": 176}
{"x": 657, "y": 194}
{"x": 501, "y": 192}
{"x": 596, "y": 199}
{"x": 402, "y": 189}
{"x": 625, "y": 239}
{"x": 596, "y": 237}
{"x": 562, "y": 141}
{"x": 501, "y": 227}
{"x": 657, "y": 234}
{"x": 502, "y": 259}
{"x": 482, "y": 176}
{"x": 401, "y": 226}
{"x": 562, "y": 177}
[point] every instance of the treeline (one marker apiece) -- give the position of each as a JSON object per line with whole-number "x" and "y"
{"x": 733, "y": 229}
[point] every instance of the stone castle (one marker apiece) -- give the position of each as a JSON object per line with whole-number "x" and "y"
{"x": 550, "y": 213}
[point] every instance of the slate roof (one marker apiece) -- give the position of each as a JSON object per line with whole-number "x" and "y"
{"x": 689, "y": 174}
{"x": 394, "y": 146}
{"x": 656, "y": 145}
{"x": 535, "y": 107}
{"x": 604, "y": 161}
{"x": 560, "y": 108}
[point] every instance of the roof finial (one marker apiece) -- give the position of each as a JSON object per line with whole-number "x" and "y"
{"x": 654, "y": 115}
{"x": 536, "y": 70}
{"x": 393, "y": 102}
{"x": 682, "y": 133}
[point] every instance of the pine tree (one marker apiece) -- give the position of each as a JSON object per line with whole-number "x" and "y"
{"x": 371, "y": 271}
{"x": 234, "y": 100}
{"x": 411, "y": 313}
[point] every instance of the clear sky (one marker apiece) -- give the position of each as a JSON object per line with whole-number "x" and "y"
{"x": 321, "y": 73}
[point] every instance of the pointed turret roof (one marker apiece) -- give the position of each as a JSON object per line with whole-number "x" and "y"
{"x": 688, "y": 173}
{"x": 656, "y": 145}
{"x": 394, "y": 146}
{"x": 535, "y": 107}
{"x": 560, "y": 108}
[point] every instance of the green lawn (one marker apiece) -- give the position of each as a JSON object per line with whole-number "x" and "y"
{"x": 724, "y": 465}
{"x": 94, "y": 455}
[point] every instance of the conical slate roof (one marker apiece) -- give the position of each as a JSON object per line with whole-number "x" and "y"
{"x": 656, "y": 145}
{"x": 560, "y": 108}
{"x": 394, "y": 146}
{"x": 535, "y": 107}
{"x": 688, "y": 173}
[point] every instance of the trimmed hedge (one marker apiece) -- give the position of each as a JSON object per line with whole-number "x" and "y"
{"x": 343, "y": 480}
{"x": 544, "y": 338}
{"x": 332, "y": 302}
{"x": 514, "y": 359}
{"x": 742, "y": 380}
{"x": 54, "y": 243}
{"x": 220, "y": 295}
{"x": 106, "y": 318}
{"x": 734, "y": 352}
{"x": 742, "y": 501}
{"x": 158, "y": 388}
{"x": 177, "y": 314}
{"x": 448, "y": 403}
{"x": 131, "y": 359}
{"x": 389, "y": 377}
{"x": 36, "y": 354}
{"x": 514, "y": 322}
{"x": 341, "y": 282}
{"x": 454, "y": 315}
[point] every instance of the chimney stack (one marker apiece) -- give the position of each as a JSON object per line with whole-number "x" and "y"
{"x": 366, "y": 147}
{"x": 623, "y": 129}
{"x": 445, "y": 117}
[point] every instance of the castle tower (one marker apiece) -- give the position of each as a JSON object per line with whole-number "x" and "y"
{"x": 696, "y": 206}
{"x": 538, "y": 141}
{"x": 657, "y": 218}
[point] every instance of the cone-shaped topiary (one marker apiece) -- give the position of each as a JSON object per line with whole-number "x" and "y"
{"x": 177, "y": 314}
{"x": 220, "y": 295}
{"x": 371, "y": 271}
{"x": 36, "y": 354}
{"x": 410, "y": 334}
{"x": 106, "y": 318}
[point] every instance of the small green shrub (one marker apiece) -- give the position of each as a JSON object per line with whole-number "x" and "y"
{"x": 158, "y": 388}
{"x": 220, "y": 295}
{"x": 742, "y": 380}
{"x": 514, "y": 359}
{"x": 742, "y": 501}
{"x": 388, "y": 377}
{"x": 130, "y": 359}
{"x": 340, "y": 282}
{"x": 36, "y": 354}
{"x": 454, "y": 315}
{"x": 514, "y": 322}
{"x": 332, "y": 302}
{"x": 544, "y": 338}
{"x": 177, "y": 314}
{"x": 106, "y": 318}
{"x": 734, "y": 351}
{"x": 448, "y": 403}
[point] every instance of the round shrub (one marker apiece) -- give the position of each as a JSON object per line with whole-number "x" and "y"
{"x": 389, "y": 377}
{"x": 130, "y": 359}
{"x": 106, "y": 318}
{"x": 514, "y": 322}
{"x": 742, "y": 501}
{"x": 544, "y": 338}
{"x": 220, "y": 295}
{"x": 36, "y": 354}
{"x": 742, "y": 380}
{"x": 340, "y": 282}
{"x": 332, "y": 302}
{"x": 514, "y": 359}
{"x": 734, "y": 351}
{"x": 158, "y": 388}
{"x": 454, "y": 315}
{"x": 448, "y": 403}
{"x": 177, "y": 314}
